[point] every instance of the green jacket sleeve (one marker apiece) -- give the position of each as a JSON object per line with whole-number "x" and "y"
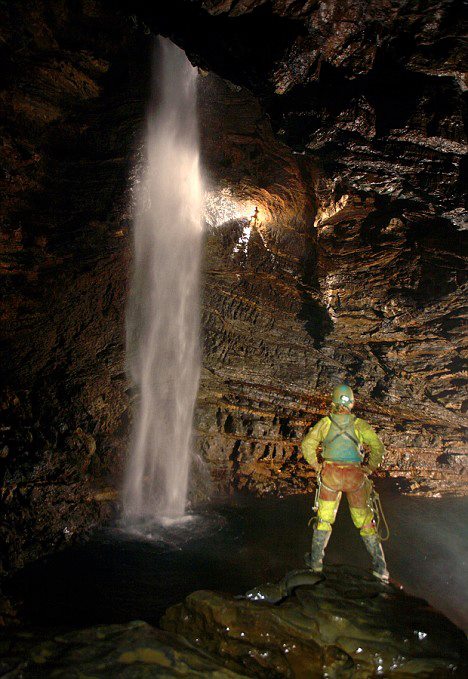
{"x": 368, "y": 436}
{"x": 313, "y": 439}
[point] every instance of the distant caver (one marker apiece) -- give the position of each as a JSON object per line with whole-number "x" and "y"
{"x": 341, "y": 435}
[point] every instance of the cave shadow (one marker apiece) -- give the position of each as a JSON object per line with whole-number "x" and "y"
{"x": 317, "y": 320}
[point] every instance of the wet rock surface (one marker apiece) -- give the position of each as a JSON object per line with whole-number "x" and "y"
{"x": 132, "y": 650}
{"x": 352, "y": 271}
{"x": 346, "y": 625}
{"x": 371, "y": 88}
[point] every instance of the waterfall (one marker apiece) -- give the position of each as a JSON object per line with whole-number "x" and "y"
{"x": 163, "y": 308}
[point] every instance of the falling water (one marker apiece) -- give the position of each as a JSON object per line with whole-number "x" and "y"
{"x": 163, "y": 310}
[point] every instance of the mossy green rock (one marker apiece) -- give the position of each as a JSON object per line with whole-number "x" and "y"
{"x": 130, "y": 650}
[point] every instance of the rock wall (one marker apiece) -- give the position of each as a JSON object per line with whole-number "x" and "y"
{"x": 72, "y": 104}
{"x": 373, "y": 94}
{"x": 364, "y": 289}
{"x": 374, "y": 89}
{"x": 352, "y": 269}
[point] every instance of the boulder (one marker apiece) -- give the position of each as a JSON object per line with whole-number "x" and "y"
{"x": 347, "y": 624}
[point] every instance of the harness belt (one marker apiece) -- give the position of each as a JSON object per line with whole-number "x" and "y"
{"x": 334, "y": 490}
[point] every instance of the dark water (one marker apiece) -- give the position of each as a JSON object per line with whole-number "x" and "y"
{"x": 117, "y": 577}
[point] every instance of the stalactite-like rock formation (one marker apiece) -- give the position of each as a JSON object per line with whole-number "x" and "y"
{"x": 350, "y": 141}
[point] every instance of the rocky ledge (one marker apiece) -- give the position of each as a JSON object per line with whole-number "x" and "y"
{"x": 131, "y": 650}
{"x": 345, "y": 624}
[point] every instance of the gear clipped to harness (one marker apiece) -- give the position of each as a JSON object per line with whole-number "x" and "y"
{"x": 374, "y": 503}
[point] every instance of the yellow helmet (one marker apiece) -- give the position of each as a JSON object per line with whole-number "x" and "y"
{"x": 342, "y": 396}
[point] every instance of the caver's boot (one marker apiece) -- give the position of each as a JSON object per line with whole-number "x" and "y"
{"x": 374, "y": 547}
{"x": 320, "y": 540}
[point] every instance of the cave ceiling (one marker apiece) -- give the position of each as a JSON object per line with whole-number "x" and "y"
{"x": 343, "y": 122}
{"x": 375, "y": 90}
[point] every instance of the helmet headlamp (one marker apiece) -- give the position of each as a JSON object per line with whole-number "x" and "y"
{"x": 342, "y": 395}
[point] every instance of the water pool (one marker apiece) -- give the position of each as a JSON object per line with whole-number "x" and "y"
{"x": 118, "y": 576}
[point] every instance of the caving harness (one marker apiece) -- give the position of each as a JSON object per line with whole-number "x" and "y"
{"x": 341, "y": 443}
{"x": 342, "y": 431}
{"x": 373, "y": 502}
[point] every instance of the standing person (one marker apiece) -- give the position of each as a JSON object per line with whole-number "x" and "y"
{"x": 341, "y": 435}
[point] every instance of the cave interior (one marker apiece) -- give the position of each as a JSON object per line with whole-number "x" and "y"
{"x": 343, "y": 124}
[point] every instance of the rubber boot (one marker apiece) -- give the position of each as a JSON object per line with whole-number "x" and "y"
{"x": 374, "y": 547}
{"x": 320, "y": 540}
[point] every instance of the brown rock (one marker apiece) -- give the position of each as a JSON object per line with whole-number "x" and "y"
{"x": 354, "y": 270}
{"x": 347, "y": 625}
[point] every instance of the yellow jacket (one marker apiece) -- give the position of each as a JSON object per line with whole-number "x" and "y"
{"x": 364, "y": 433}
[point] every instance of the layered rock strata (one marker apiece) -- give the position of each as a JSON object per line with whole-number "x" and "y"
{"x": 375, "y": 89}
{"x": 352, "y": 269}
{"x": 365, "y": 289}
{"x": 72, "y": 106}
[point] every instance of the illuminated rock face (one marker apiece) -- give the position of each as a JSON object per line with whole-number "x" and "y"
{"x": 352, "y": 270}
{"x": 372, "y": 92}
{"x": 370, "y": 88}
{"x": 371, "y": 295}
